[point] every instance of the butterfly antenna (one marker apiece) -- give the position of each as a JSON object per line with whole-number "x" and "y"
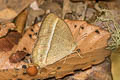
{"x": 83, "y": 36}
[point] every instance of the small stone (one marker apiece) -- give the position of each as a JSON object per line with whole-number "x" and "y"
{"x": 32, "y": 70}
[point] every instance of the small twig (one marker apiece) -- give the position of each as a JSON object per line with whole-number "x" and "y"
{"x": 85, "y": 10}
{"x": 97, "y": 7}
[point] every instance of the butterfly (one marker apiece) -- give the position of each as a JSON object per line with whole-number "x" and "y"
{"x": 55, "y": 41}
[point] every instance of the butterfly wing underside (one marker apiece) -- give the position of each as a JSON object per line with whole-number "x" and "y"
{"x": 55, "y": 41}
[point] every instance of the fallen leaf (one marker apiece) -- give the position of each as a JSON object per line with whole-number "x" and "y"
{"x": 17, "y": 57}
{"x": 13, "y": 37}
{"x": 12, "y": 8}
{"x": 88, "y": 37}
{"x": 10, "y": 14}
{"x": 59, "y": 69}
{"x": 8, "y": 42}
{"x": 28, "y": 40}
{"x": 97, "y": 72}
{"x": 5, "y": 45}
{"x": 21, "y": 20}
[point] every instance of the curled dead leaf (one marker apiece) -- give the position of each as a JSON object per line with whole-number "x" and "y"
{"x": 10, "y": 14}
{"x": 17, "y": 57}
{"x": 21, "y": 20}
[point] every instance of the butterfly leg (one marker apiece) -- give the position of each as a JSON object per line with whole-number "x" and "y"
{"x": 78, "y": 52}
{"x": 79, "y": 55}
{"x": 84, "y": 12}
{"x": 65, "y": 60}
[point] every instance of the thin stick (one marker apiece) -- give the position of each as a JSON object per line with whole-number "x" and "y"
{"x": 84, "y": 12}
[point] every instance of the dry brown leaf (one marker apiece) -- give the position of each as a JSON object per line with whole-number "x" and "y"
{"x": 97, "y": 72}
{"x": 92, "y": 49}
{"x": 88, "y": 37}
{"x": 13, "y": 37}
{"x": 6, "y": 45}
{"x": 66, "y": 8}
{"x": 27, "y": 42}
{"x": 17, "y": 57}
{"x": 21, "y": 20}
{"x": 8, "y": 41}
{"x": 12, "y": 8}
{"x": 58, "y": 69}
{"x": 64, "y": 66}
{"x": 74, "y": 62}
{"x": 10, "y": 14}
{"x": 25, "y": 45}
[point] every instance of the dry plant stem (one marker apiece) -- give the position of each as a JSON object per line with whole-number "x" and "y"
{"x": 97, "y": 7}
{"x": 21, "y": 20}
{"x": 85, "y": 10}
{"x": 66, "y": 8}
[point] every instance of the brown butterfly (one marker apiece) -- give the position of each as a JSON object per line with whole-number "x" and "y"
{"x": 55, "y": 41}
